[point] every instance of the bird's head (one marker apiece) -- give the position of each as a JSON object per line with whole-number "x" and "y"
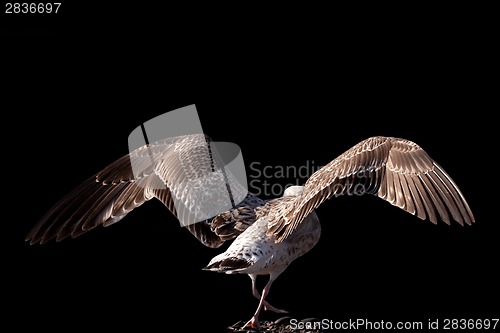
{"x": 293, "y": 191}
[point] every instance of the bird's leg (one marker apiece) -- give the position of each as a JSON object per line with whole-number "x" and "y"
{"x": 254, "y": 285}
{"x": 267, "y": 306}
{"x": 254, "y": 321}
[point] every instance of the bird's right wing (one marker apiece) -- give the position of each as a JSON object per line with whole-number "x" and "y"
{"x": 396, "y": 170}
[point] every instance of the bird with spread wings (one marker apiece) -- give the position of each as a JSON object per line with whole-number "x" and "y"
{"x": 267, "y": 235}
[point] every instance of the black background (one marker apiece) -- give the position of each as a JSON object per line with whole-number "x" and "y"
{"x": 286, "y": 92}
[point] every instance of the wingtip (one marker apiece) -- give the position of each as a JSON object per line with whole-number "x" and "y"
{"x": 459, "y": 221}
{"x": 448, "y": 222}
{"x": 32, "y": 239}
{"x": 29, "y": 240}
{"x": 470, "y": 221}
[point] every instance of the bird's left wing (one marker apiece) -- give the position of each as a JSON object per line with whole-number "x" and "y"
{"x": 159, "y": 170}
{"x": 396, "y": 170}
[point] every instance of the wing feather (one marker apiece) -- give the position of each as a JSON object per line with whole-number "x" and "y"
{"x": 391, "y": 196}
{"x": 398, "y": 189}
{"x": 409, "y": 205}
{"x": 463, "y": 208}
{"x": 415, "y": 196}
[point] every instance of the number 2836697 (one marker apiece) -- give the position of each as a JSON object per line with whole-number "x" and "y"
{"x": 32, "y": 7}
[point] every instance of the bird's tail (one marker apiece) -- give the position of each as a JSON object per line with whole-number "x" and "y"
{"x": 228, "y": 265}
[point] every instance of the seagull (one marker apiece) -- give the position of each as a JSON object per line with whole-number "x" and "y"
{"x": 266, "y": 235}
